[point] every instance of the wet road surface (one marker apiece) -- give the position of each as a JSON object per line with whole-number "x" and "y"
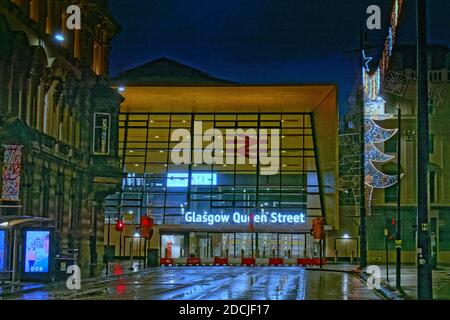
{"x": 217, "y": 283}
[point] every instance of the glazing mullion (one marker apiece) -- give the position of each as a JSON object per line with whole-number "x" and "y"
{"x": 304, "y": 173}
{"x": 257, "y": 161}
{"x": 280, "y": 196}
{"x": 124, "y": 153}
{"x": 234, "y": 165}
{"x": 145, "y": 165}
{"x": 191, "y": 160}
{"x": 212, "y": 168}
{"x": 167, "y": 169}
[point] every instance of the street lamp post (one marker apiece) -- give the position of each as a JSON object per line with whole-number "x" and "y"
{"x": 398, "y": 236}
{"x": 424, "y": 275}
{"x": 362, "y": 173}
{"x": 107, "y": 253}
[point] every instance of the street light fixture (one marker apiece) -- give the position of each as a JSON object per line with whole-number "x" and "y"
{"x": 59, "y": 37}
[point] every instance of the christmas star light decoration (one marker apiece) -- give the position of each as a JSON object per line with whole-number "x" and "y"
{"x": 366, "y": 61}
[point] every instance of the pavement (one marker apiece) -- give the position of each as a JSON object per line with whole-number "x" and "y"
{"x": 441, "y": 281}
{"x": 331, "y": 282}
{"x": 114, "y": 269}
{"x": 212, "y": 283}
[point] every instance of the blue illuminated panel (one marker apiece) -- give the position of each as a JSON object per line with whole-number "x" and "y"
{"x": 2, "y": 250}
{"x": 37, "y": 251}
{"x": 180, "y": 180}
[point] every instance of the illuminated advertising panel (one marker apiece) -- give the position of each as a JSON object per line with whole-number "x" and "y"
{"x": 2, "y": 249}
{"x": 37, "y": 244}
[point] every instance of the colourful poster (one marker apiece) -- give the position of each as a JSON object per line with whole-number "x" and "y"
{"x": 37, "y": 251}
{"x": 11, "y": 172}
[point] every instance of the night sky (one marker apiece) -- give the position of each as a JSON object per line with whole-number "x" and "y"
{"x": 261, "y": 41}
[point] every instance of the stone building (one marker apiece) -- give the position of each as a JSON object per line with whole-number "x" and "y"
{"x": 400, "y": 91}
{"x": 56, "y": 104}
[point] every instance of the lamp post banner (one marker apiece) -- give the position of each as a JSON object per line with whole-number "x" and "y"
{"x": 12, "y": 160}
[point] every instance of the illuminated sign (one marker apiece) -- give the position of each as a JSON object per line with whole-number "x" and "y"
{"x": 239, "y": 218}
{"x": 2, "y": 250}
{"x": 180, "y": 180}
{"x": 37, "y": 251}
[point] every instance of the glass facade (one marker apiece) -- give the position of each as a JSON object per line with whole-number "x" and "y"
{"x": 153, "y": 184}
{"x": 235, "y": 245}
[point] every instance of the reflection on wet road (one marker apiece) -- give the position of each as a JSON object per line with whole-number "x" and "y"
{"x": 219, "y": 283}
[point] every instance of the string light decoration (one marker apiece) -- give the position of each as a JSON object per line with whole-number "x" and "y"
{"x": 374, "y": 109}
{"x": 396, "y": 83}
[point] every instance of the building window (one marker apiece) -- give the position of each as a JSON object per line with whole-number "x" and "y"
{"x": 76, "y": 44}
{"x": 390, "y": 146}
{"x": 101, "y": 133}
{"x": 432, "y": 178}
{"x": 59, "y": 199}
{"x": 63, "y": 28}
{"x": 390, "y": 194}
{"x": 18, "y": 2}
{"x": 98, "y": 58}
{"x": 430, "y": 106}
{"x": 34, "y": 10}
{"x": 431, "y": 143}
{"x": 49, "y": 19}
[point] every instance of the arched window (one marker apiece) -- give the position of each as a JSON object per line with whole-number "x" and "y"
{"x": 49, "y": 108}
{"x": 45, "y": 194}
{"x": 18, "y": 75}
{"x": 34, "y": 10}
{"x": 27, "y": 191}
{"x": 59, "y": 201}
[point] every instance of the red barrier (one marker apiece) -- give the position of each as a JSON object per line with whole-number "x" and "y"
{"x": 194, "y": 261}
{"x": 310, "y": 261}
{"x": 275, "y": 261}
{"x": 166, "y": 261}
{"x": 303, "y": 261}
{"x": 220, "y": 261}
{"x": 248, "y": 262}
{"x": 316, "y": 261}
